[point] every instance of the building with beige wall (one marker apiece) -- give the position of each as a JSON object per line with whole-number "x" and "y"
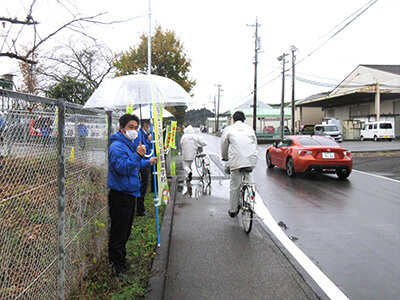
{"x": 368, "y": 93}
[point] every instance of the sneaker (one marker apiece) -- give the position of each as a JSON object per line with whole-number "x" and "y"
{"x": 190, "y": 176}
{"x": 231, "y": 214}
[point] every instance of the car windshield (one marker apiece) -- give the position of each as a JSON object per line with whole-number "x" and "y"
{"x": 315, "y": 140}
{"x": 331, "y": 128}
{"x": 385, "y": 126}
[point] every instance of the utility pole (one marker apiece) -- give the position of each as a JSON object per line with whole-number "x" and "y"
{"x": 293, "y": 49}
{"x": 219, "y": 95}
{"x": 149, "y": 43}
{"x": 282, "y": 58}
{"x": 256, "y": 49}
{"x": 215, "y": 113}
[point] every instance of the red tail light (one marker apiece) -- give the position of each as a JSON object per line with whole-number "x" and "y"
{"x": 305, "y": 152}
{"x": 347, "y": 153}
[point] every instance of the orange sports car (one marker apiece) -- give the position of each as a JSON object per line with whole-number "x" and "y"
{"x": 310, "y": 153}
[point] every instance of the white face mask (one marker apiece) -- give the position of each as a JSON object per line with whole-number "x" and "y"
{"x": 131, "y": 134}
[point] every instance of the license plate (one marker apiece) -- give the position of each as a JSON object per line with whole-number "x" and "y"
{"x": 328, "y": 155}
{"x": 386, "y": 136}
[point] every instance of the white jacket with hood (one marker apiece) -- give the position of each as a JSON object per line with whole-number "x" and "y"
{"x": 190, "y": 141}
{"x": 239, "y": 146}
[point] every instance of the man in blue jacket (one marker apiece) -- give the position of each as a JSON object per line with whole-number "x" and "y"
{"x": 145, "y": 138}
{"x": 125, "y": 159}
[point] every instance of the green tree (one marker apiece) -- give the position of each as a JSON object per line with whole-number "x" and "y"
{"x": 71, "y": 89}
{"x": 198, "y": 117}
{"x": 168, "y": 59}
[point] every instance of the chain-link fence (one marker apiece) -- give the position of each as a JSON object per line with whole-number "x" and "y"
{"x": 53, "y": 194}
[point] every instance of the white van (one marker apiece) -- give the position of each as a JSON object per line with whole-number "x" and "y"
{"x": 329, "y": 130}
{"x": 377, "y": 130}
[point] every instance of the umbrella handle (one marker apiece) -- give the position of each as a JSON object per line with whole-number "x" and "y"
{"x": 150, "y": 154}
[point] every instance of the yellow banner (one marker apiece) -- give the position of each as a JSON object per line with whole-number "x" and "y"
{"x": 129, "y": 109}
{"x": 173, "y": 134}
{"x": 167, "y": 138}
{"x": 162, "y": 183}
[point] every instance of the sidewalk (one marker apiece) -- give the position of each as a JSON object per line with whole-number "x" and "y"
{"x": 205, "y": 254}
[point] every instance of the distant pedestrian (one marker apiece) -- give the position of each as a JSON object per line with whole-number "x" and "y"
{"x": 82, "y": 133}
{"x": 45, "y": 132}
{"x": 190, "y": 141}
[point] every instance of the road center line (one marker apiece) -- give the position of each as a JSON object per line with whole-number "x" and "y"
{"x": 329, "y": 288}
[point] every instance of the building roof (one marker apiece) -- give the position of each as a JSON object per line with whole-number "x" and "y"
{"x": 269, "y": 112}
{"x": 394, "y": 69}
{"x": 364, "y": 93}
{"x": 249, "y": 104}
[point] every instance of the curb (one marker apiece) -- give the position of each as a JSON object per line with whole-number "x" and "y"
{"x": 156, "y": 286}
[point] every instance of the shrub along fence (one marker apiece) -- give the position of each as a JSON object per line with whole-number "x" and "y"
{"x": 53, "y": 193}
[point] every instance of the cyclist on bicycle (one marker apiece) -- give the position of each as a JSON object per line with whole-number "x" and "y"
{"x": 239, "y": 148}
{"x": 190, "y": 141}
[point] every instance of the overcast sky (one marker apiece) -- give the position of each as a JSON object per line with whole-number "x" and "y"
{"x": 219, "y": 41}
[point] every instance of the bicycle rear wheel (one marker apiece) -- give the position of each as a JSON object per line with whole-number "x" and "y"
{"x": 199, "y": 166}
{"x": 247, "y": 210}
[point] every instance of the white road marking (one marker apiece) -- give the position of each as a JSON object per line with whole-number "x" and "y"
{"x": 378, "y": 176}
{"x": 329, "y": 288}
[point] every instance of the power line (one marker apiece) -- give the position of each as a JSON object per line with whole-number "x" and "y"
{"x": 363, "y": 9}
{"x": 343, "y": 27}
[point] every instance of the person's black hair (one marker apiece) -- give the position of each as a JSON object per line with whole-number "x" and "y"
{"x": 239, "y": 116}
{"x": 145, "y": 121}
{"x": 126, "y": 118}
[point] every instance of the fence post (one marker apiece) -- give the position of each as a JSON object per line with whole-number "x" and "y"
{"x": 109, "y": 124}
{"x": 61, "y": 199}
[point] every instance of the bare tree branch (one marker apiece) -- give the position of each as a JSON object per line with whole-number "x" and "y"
{"x": 15, "y": 21}
{"x": 19, "y": 57}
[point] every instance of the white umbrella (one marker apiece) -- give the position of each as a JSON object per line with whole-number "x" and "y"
{"x": 144, "y": 112}
{"x": 138, "y": 89}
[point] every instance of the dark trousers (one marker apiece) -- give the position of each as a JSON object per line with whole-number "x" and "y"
{"x": 82, "y": 141}
{"x": 144, "y": 180}
{"x": 122, "y": 210}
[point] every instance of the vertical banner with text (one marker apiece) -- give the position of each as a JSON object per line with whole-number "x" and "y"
{"x": 167, "y": 138}
{"x": 162, "y": 183}
{"x": 173, "y": 134}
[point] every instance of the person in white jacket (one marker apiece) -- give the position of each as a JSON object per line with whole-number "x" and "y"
{"x": 190, "y": 141}
{"x": 239, "y": 148}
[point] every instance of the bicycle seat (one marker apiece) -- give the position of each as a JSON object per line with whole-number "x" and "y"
{"x": 201, "y": 155}
{"x": 246, "y": 170}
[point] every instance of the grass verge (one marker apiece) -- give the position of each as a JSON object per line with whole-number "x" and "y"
{"x": 100, "y": 283}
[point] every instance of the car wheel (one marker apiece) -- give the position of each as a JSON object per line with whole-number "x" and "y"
{"x": 390, "y": 140}
{"x": 290, "y": 167}
{"x": 375, "y": 138}
{"x": 268, "y": 159}
{"x": 342, "y": 175}
{"x": 361, "y": 138}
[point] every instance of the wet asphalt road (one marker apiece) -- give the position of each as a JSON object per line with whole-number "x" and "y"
{"x": 349, "y": 228}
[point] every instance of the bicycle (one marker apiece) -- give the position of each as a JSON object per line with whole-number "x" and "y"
{"x": 202, "y": 162}
{"x": 246, "y": 200}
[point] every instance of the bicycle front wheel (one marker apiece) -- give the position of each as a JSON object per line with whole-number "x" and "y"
{"x": 206, "y": 173}
{"x": 247, "y": 210}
